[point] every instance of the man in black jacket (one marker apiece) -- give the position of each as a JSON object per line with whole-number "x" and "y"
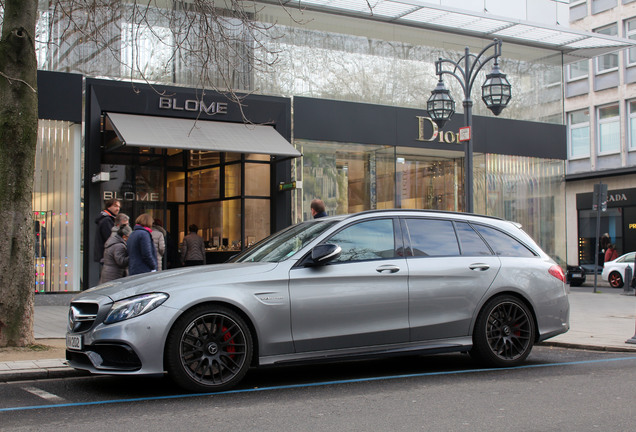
{"x": 105, "y": 222}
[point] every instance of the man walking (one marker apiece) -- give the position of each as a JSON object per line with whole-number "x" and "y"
{"x": 105, "y": 222}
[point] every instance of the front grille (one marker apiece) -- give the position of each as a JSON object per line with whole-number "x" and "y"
{"x": 81, "y": 316}
{"x": 105, "y": 357}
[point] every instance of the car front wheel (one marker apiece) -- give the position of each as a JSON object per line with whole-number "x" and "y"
{"x": 208, "y": 349}
{"x": 615, "y": 280}
{"x": 504, "y": 332}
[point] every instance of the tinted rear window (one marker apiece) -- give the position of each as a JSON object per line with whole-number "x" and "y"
{"x": 470, "y": 242}
{"x": 502, "y": 243}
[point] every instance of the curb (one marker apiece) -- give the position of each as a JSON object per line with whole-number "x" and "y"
{"x": 39, "y": 373}
{"x": 589, "y": 347}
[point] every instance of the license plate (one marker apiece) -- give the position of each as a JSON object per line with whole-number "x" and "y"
{"x": 576, "y": 275}
{"x": 73, "y": 342}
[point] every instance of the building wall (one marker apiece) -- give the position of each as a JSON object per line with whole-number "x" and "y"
{"x": 588, "y": 95}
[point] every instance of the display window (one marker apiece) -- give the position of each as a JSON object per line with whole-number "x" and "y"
{"x": 226, "y": 195}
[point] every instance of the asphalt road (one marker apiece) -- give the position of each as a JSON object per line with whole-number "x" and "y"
{"x": 557, "y": 389}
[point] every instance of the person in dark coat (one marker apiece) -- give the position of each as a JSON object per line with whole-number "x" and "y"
{"x": 318, "y": 209}
{"x": 116, "y": 255}
{"x": 193, "y": 248}
{"x": 142, "y": 256}
{"x": 105, "y": 222}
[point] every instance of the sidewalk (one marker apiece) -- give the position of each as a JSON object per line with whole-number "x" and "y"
{"x": 604, "y": 320}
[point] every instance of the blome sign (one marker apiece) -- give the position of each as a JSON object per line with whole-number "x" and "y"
{"x": 193, "y": 105}
{"x": 448, "y": 137}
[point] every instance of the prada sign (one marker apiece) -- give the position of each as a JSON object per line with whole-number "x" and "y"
{"x": 192, "y": 105}
{"x": 448, "y": 137}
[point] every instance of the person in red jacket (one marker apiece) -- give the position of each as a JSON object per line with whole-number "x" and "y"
{"x": 611, "y": 253}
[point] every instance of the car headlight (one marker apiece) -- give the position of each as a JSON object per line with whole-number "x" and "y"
{"x": 134, "y": 306}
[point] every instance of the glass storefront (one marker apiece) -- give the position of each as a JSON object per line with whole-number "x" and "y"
{"x": 56, "y": 207}
{"x": 208, "y": 189}
{"x": 356, "y": 177}
{"x": 350, "y": 178}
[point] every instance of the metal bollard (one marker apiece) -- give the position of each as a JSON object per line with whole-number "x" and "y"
{"x": 627, "y": 283}
{"x": 632, "y": 340}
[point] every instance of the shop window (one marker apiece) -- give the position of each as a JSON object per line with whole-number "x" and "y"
{"x": 579, "y": 134}
{"x": 203, "y": 158}
{"x": 257, "y": 220}
{"x": 204, "y": 184}
{"x": 176, "y": 186}
{"x": 607, "y": 62}
{"x": 578, "y": 70}
{"x": 608, "y": 129}
{"x": 232, "y": 180}
{"x": 257, "y": 179}
{"x": 56, "y": 207}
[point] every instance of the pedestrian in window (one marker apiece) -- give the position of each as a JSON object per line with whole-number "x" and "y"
{"x": 141, "y": 249}
{"x": 318, "y": 209}
{"x": 121, "y": 220}
{"x": 193, "y": 248}
{"x": 116, "y": 255}
{"x": 159, "y": 239}
{"x": 611, "y": 253}
{"x": 105, "y": 222}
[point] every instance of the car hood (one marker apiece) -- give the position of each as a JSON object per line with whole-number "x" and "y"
{"x": 170, "y": 280}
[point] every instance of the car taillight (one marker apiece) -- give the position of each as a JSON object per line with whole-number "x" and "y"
{"x": 557, "y": 272}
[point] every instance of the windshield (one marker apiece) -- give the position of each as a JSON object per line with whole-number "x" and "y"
{"x": 285, "y": 243}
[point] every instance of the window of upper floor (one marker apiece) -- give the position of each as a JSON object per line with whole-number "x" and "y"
{"x": 607, "y": 62}
{"x": 579, "y": 134}
{"x": 609, "y": 124}
{"x": 578, "y": 70}
{"x": 631, "y": 126}
{"x": 630, "y": 33}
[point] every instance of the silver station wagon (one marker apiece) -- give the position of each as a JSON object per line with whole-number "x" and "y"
{"x": 365, "y": 285}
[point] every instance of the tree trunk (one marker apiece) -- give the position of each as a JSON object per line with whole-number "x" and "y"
{"x": 18, "y": 140}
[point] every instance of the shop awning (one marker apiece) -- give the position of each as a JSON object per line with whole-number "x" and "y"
{"x": 188, "y": 134}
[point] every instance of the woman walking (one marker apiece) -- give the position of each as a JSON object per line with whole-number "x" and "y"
{"x": 116, "y": 255}
{"x": 141, "y": 249}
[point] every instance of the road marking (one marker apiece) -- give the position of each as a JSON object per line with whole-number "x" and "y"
{"x": 317, "y": 384}
{"x": 44, "y": 394}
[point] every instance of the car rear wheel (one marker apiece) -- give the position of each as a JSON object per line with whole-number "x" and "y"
{"x": 615, "y": 280}
{"x": 209, "y": 348}
{"x": 504, "y": 332}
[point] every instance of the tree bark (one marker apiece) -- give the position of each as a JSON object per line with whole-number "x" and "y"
{"x": 18, "y": 140}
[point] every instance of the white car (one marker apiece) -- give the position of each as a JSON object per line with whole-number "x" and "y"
{"x": 614, "y": 271}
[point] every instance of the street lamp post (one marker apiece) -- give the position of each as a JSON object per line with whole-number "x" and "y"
{"x": 496, "y": 93}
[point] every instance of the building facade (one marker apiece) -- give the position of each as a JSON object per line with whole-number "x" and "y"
{"x": 342, "y": 112}
{"x": 600, "y": 104}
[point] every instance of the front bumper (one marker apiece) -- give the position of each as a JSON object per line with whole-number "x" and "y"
{"x": 134, "y": 346}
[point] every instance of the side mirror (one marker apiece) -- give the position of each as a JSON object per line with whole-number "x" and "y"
{"x": 324, "y": 253}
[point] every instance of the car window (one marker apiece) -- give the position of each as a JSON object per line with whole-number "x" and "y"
{"x": 432, "y": 237}
{"x": 627, "y": 258}
{"x": 470, "y": 242}
{"x": 502, "y": 243}
{"x": 368, "y": 240}
{"x": 285, "y": 243}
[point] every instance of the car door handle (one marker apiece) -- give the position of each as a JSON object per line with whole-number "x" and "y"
{"x": 388, "y": 269}
{"x": 479, "y": 266}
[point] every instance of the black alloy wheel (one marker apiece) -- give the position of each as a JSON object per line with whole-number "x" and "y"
{"x": 615, "y": 280}
{"x": 208, "y": 349}
{"x": 504, "y": 333}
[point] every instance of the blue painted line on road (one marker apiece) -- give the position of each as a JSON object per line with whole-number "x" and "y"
{"x": 306, "y": 385}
